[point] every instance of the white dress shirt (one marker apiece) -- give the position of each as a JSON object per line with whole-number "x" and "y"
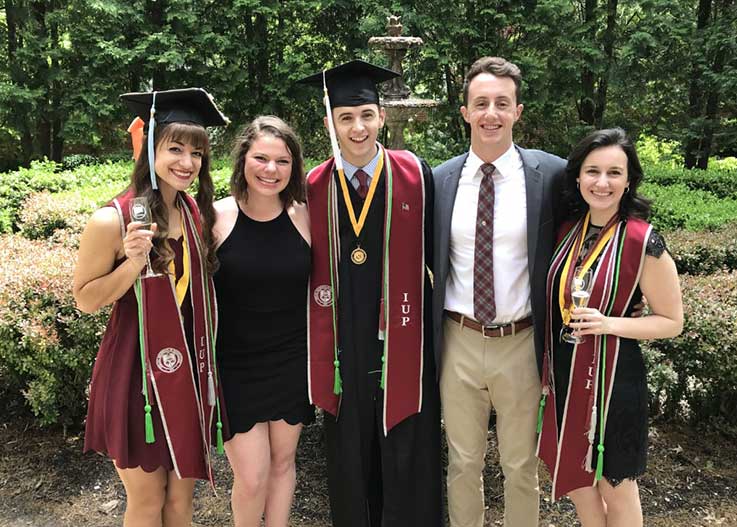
{"x": 350, "y": 170}
{"x": 511, "y": 278}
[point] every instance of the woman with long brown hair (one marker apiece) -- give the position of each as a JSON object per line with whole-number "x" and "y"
{"x": 154, "y": 396}
{"x": 264, "y": 252}
{"x": 593, "y": 420}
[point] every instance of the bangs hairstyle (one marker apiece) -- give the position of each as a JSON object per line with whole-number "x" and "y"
{"x": 185, "y": 133}
{"x": 632, "y": 205}
{"x": 274, "y": 127}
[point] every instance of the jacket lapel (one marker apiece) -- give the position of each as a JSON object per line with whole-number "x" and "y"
{"x": 534, "y": 192}
{"x": 448, "y": 193}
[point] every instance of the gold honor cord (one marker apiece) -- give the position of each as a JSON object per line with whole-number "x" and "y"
{"x": 565, "y": 311}
{"x": 358, "y": 223}
{"x": 182, "y": 284}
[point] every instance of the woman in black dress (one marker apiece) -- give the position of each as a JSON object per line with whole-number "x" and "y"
{"x": 263, "y": 234}
{"x": 593, "y": 417}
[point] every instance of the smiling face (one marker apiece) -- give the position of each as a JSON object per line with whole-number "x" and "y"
{"x": 491, "y": 111}
{"x": 268, "y": 166}
{"x": 602, "y": 181}
{"x": 177, "y": 163}
{"x": 357, "y": 128}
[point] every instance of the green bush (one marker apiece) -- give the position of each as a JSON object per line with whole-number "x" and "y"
{"x": 722, "y": 183}
{"x": 16, "y": 186}
{"x": 704, "y": 252}
{"x": 46, "y": 345}
{"x": 695, "y": 374}
{"x": 678, "y": 207}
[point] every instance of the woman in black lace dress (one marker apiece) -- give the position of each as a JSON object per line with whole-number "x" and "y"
{"x": 264, "y": 252}
{"x": 593, "y": 415}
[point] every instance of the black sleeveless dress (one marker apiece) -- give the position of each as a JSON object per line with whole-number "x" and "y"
{"x": 626, "y": 433}
{"x": 261, "y": 287}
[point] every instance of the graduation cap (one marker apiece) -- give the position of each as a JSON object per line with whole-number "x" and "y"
{"x": 188, "y": 105}
{"x": 351, "y": 84}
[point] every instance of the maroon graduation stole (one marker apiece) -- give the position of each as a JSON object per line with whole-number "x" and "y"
{"x": 568, "y": 451}
{"x": 401, "y": 318}
{"x": 177, "y": 385}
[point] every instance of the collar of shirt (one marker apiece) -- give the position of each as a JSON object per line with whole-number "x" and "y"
{"x": 350, "y": 170}
{"x": 506, "y": 165}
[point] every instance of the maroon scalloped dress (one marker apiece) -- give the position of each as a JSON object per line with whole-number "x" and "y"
{"x": 115, "y": 416}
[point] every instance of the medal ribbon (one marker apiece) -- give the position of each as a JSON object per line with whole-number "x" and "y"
{"x": 358, "y": 224}
{"x": 182, "y": 284}
{"x": 564, "y": 290}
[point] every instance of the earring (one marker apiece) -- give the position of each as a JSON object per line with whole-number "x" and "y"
{"x": 626, "y": 189}
{"x": 578, "y": 185}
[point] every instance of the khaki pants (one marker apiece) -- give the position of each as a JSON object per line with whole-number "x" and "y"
{"x": 477, "y": 373}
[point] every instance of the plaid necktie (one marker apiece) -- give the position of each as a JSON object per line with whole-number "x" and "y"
{"x": 484, "y": 305}
{"x": 362, "y": 178}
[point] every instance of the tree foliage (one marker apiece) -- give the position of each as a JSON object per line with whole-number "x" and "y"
{"x": 667, "y": 68}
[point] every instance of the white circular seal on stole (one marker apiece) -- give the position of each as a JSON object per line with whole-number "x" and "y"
{"x": 168, "y": 360}
{"x": 324, "y": 296}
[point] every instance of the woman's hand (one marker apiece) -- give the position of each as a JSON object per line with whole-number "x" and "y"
{"x": 589, "y": 321}
{"x": 138, "y": 242}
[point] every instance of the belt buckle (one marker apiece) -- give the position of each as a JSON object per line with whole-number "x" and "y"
{"x": 500, "y": 327}
{"x": 492, "y": 327}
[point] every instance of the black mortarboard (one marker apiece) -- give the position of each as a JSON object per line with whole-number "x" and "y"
{"x": 193, "y": 105}
{"x": 187, "y": 105}
{"x": 351, "y": 84}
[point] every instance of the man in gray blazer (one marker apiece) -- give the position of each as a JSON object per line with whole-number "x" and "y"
{"x": 494, "y": 235}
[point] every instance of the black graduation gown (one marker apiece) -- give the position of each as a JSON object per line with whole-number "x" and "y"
{"x": 373, "y": 480}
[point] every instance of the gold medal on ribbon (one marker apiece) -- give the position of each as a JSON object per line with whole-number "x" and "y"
{"x": 358, "y": 256}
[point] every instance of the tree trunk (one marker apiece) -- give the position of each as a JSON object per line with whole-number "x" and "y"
{"x": 609, "y": 39}
{"x": 586, "y": 105}
{"x": 156, "y": 13}
{"x": 10, "y": 21}
{"x": 694, "y": 141}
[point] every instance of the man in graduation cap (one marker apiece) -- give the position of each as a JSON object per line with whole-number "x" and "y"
{"x": 371, "y": 365}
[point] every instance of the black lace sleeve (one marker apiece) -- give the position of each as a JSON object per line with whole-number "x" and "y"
{"x": 655, "y": 245}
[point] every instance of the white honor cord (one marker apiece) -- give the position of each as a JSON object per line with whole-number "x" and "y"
{"x": 331, "y": 127}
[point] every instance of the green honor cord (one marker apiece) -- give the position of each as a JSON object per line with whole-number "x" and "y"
{"x": 219, "y": 424}
{"x": 337, "y": 381}
{"x": 602, "y": 420}
{"x": 387, "y": 231}
{"x": 148, "y": 420}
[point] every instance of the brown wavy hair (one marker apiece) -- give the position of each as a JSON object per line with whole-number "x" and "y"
{"x": 195, "y": 135}
{"x": 275, "y": 127}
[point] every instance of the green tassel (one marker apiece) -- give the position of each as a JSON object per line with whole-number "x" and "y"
{"x": 338, "y": 383}
{"x": 149, "y": 425}
{"x": 382, "y": 383}
{"x": 540, "y": 412}
{"x": 220, "y": 446}
{"x": 600, "y": 462}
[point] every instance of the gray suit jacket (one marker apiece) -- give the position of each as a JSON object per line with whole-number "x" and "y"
{"x": 543, "y": 180}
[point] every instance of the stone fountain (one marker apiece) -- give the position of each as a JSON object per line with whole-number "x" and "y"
{"x": 400, "y": 106}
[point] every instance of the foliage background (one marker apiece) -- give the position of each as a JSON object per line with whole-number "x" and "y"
{"x": 661, "y": 67}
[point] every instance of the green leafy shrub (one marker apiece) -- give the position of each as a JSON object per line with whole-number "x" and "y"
{"x": 704, "y": 252}
{"x": 722, "y": 183}
{"x": 46, "y": 345}
{"x": 678, "y": 207}
{"x": 43, "y": 215}
{"x": 654, "y": 151}
{"x": 15, "y": 187}
{"x": 695, "y": 374}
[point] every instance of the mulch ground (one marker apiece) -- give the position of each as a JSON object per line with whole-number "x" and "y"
{"x": 46, "y": 481}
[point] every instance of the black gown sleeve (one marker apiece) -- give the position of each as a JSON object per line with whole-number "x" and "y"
{"x": 429, "y": 209}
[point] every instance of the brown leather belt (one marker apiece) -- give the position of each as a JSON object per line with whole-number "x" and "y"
{"x": 493, "y": 330}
